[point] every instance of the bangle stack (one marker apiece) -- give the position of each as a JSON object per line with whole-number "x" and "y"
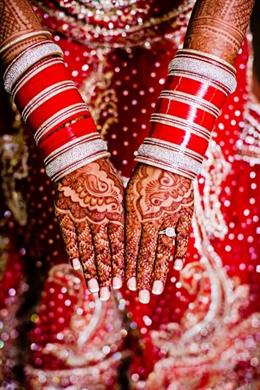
{"x": 195, "y": 91}
{"x": 11, "y": 47}
{"x": 51, "y": 105}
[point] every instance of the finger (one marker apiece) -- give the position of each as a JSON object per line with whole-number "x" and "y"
{"x": 103, "y": 258}
{"x": 146, "y": 259}
{"x": 133, "y": 235}
{"x": 163, "y": 256}
{"x": 87, "y": 256}
{"x": 182, "y": 239}
{"x": 116, "y": 239}
{"x": 68, "y": 232}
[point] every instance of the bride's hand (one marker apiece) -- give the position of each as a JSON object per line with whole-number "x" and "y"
{"x": 89, "y": 209}
{"x": 155, "y": 200}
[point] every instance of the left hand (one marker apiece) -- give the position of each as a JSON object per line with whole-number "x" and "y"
{"x": 89, "y": 209}
{"x": 155, "y": 200}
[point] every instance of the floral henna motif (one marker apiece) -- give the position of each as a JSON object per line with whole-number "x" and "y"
{"x": 89, "y": 208}
{"x": 155, "y": 199}
{"x": 94, "y": 193}
{"x": 158, "y": 193}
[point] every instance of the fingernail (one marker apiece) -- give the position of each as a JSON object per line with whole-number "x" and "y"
{"x": 178, "y": 264}
{"x": 144, "y": 296}
{"x": 131, "y": 284}
{"x": 104, "y": 294}
{"x": 157, "y": 287}
{"x": 76, "y": 264}
{"x": 93, "y": 285}
{"x": 116, "y": 283}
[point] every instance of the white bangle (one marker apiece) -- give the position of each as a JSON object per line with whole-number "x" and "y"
{"x": 171, "y": 157}
{"x": 28, "y": 58}
{"x": 186, "y": 62}
{"x": 75, "y": 154}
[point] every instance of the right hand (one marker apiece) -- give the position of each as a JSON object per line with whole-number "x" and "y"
{"x": 89, "y": 209}
{"x": 155, "y": 200}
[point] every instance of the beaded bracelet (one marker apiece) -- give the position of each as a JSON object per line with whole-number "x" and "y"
{"x": 53, "y": 108}
{"x": 195, "y": 91}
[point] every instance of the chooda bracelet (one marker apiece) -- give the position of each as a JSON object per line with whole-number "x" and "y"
{"x": 195, "y": 91}
{"x": 53, "y": 108}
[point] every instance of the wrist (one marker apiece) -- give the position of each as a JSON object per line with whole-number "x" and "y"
{"x": 195, "y": 91}
{"x": 53, "y": 108}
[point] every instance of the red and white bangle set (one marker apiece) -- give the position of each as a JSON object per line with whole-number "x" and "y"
{"x": 195, "y": 91}
{"x": 51, "y": 105}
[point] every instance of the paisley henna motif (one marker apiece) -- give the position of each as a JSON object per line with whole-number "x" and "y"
{"x": 218, "y": 27}
{"x": 89, "y": 208}
{"x": 155, "y": 199}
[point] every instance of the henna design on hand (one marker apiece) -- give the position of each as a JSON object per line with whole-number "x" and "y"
{"x": 218, "y": 27}
{"x": 89, "y": 208}
{"x": 155, "y": 199}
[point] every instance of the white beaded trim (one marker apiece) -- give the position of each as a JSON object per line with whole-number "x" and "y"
{"x": 174, "y": 147}
{"x": 26, "y": 59}
{"x": 197, "y": 66}
{"x": 167, "y": 159}
{"x": 80, "y": 164}
{"x": 33, "y": 72}
{"x": 76, "y": 156}
{"x": 207, "y": 56}
{"x": 166, "y": 167}
{"x": 65, "y": 147}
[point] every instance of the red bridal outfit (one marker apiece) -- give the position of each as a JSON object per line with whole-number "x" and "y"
{"x": 203, "y": 332}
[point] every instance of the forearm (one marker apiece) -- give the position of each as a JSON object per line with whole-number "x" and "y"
{"x": 37, "y": 79}
{"x": 219, "y": 27}
{"x": 200, "y": 78}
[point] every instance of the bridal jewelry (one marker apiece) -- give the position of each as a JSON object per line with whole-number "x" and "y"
{"x": 169, "y": 232}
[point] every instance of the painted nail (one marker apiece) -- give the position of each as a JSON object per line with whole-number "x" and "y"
{"x": 104, "y": 294}
{"x": 116, "y": 283}
{"x": 144, "y": 296}
{"x": 178, "y": 264}
{"x": 93, "y": 285}
{"x": 76, "y": 264}
{"x": 157, "y": 287}
{"x": 131, "y": 284}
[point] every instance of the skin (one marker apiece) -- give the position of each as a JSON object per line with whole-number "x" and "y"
{"x": 91, "y": 227}
{"x": 216, "y": 28}
{"x": 155, "y": 200}
{"x": 89, "y": 209}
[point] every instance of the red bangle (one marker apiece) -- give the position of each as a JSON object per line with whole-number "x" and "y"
{"x": 49, "y": 100}
{"x": 47, "y": 109}
{"x": 55, "y": 139}
{"x": 181, "y": 138}
{"x": 196, "y": 88}
{"x": 186, "y": 111}
{"x": 42, "y": 76}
